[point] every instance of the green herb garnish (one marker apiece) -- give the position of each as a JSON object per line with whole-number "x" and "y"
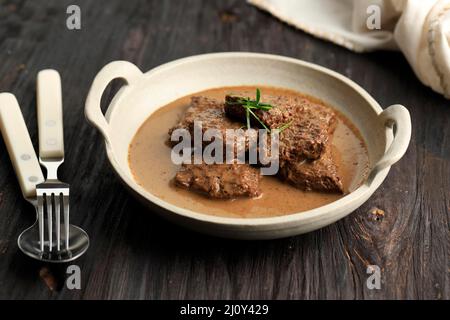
{"x": 284, "y": 126}
{"x": 256, "y": 104}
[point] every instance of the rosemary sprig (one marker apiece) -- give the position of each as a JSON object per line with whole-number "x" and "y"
{"x": 256, "y": 104}
{"x": 247, "y": 111}
{"x": 257, "y": 118}
{"x": 284, "y": 126}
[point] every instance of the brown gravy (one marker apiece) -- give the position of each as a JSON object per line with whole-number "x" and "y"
{"x": 152, "y": 168}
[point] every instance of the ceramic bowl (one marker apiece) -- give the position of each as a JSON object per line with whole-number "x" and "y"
{"x": 146, "y": 92}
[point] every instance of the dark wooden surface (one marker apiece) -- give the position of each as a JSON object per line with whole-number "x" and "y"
{"x": 136, "y": 255}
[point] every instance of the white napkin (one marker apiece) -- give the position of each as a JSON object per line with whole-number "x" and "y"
{"x": 419, "y": 28}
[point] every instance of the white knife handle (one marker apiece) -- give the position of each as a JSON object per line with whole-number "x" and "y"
{"x": 18, "y": 143}
{"x": 49, "y": 113}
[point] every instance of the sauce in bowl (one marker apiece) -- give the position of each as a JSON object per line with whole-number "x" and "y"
{"x": 152, "y": 168}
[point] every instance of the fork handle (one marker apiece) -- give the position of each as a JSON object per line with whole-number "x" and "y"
{"x": 18, "y": 143}
{"x": 49, "y": 113}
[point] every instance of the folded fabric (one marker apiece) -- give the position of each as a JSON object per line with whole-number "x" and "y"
{"x": 419, "y": 28}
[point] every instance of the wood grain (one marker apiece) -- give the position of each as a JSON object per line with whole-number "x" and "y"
{"x": 134, "y": 254}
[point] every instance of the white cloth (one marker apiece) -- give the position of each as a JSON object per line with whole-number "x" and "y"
{"x": 419, "y": 28}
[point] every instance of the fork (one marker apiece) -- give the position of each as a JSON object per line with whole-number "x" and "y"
{"x": 52, "y": 194}
{"x": 29, "y": 173}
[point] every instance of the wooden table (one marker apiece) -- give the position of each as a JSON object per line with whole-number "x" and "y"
{"x": 136, "y": 255}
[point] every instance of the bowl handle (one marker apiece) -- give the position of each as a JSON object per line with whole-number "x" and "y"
{"x": 115, "y": 70}
{"x": 399, "y": 116}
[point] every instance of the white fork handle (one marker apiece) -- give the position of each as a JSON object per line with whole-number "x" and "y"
{"x": 49, "y": 113}
{"x": 18, "y": 143}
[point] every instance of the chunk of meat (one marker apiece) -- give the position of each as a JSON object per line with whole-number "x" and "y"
{"x": 320, "y": 174}
{"x": 308, "y": 135}
{"x": 220, "y": 180}
{"x": 311, "y": 124}
{"x": 210, "y": 114}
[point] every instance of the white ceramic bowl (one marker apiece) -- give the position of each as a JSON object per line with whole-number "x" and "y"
{"x": 146, "y": 92}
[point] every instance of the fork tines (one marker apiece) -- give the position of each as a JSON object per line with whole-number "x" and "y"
{"x": 51, "y": 199}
